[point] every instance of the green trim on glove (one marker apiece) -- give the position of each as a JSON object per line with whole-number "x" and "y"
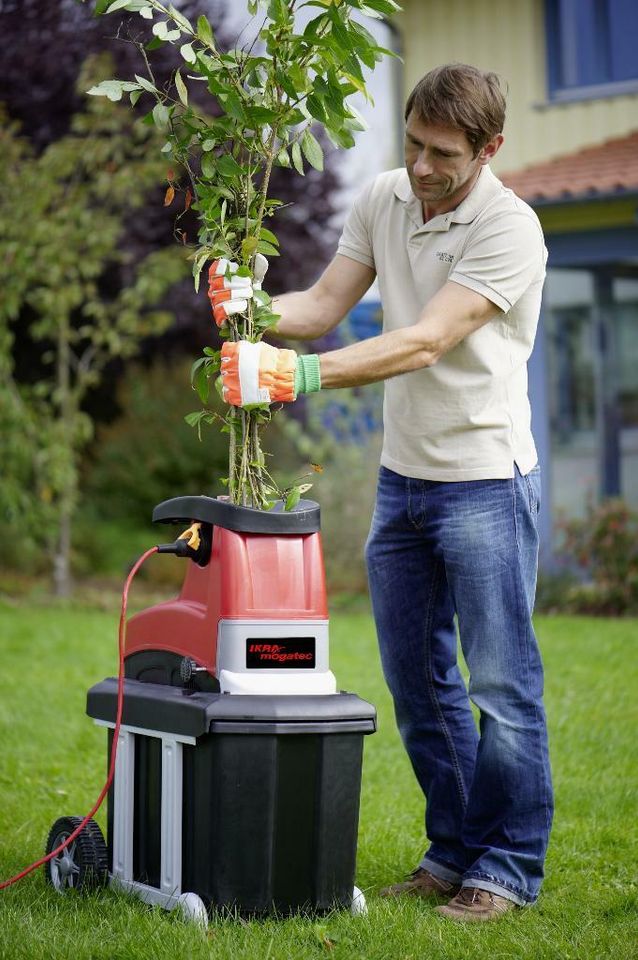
{"x": 307, "y": 374}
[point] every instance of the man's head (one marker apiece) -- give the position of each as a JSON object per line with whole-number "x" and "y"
{"x": 457, "y": 95}
{"x": 454, "y": 118}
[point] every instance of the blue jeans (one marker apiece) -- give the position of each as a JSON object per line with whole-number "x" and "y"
{"x": 469, "y": 549}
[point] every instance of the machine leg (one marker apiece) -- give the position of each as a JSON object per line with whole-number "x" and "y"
{"x": 171, "y": 829}
{"x": 359, "y": 907}
{"x": 193, "y": 909}
{"x": 123, "y": 806}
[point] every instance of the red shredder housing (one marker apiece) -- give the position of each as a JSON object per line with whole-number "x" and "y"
{"x": 250, "y": 576}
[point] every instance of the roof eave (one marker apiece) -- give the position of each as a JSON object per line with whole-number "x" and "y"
{"x": 564, "y": 201}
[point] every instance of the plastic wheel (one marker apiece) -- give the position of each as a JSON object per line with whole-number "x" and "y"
{"x": 81, "y": 866}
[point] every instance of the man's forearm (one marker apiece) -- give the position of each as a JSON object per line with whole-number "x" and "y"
{"x": 378, "y": 358}
{"x": 453, "y": 314}
{"x": 302, "y": 316}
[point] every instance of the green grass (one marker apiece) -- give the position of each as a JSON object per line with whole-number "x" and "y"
{"x": 52, "y": 763}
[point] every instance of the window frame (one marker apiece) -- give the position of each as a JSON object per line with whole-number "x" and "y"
{"x": 566, "y": 62}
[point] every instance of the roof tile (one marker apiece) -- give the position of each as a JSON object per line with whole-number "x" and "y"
{"x": 604, "y": 168}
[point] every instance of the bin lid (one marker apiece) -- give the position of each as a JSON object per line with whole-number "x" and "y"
{"x": 166, "y": 709}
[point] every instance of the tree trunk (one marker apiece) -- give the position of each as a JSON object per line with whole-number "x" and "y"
{"x": 62, "y": 583}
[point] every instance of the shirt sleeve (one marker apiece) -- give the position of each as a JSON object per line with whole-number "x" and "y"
{"x": 356, "y": 238}
{"x": 502, "y": 258}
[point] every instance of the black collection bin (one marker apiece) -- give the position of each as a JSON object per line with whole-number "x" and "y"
{"x": 270, "y": 793}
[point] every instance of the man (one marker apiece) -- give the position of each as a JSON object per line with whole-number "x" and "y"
{"x": 460, "y": 262}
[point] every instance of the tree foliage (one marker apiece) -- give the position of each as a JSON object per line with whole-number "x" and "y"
{"x": 61, "y": 219}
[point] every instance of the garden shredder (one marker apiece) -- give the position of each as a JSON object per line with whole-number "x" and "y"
{"x": 238, "y": 769}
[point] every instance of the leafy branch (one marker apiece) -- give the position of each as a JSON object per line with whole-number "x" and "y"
{"x": 264, "y": 102}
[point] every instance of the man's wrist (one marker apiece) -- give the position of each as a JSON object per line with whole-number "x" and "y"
{"x": 307, "y": 374}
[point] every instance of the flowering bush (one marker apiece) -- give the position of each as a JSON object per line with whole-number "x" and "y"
{"x": 605, "y": 545}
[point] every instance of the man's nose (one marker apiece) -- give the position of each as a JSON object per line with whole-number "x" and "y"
{"x": 422, "y": 166}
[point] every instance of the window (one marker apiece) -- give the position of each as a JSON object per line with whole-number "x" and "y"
{"x": 591, "y": 48}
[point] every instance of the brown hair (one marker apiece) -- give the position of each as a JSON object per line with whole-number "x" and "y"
{"x": 460, "y": 96}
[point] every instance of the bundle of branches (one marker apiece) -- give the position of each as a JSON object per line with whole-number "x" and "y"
{"x": 266, "y": 97}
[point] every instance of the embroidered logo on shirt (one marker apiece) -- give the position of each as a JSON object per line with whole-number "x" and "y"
{"x": 445, "y": 257}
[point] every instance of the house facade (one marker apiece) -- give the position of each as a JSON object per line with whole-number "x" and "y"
{"x": 571, "y": 151}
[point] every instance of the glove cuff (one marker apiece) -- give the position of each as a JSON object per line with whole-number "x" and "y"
{"x": 307, "y": 374}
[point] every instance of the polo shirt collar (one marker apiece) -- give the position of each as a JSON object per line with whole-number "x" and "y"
{"x": 486, "y": 187}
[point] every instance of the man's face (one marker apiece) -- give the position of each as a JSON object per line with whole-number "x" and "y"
{"x": 439, "y": 160}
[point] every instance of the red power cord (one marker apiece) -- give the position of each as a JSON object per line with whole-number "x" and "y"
{"x": 116, "y": 732}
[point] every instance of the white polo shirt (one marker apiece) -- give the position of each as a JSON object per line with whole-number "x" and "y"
{"x": 468, "y": 416}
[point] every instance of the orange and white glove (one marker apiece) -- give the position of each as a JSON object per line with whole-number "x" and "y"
{"x": 256, "y": 373}
{"x": 229, "y": 293}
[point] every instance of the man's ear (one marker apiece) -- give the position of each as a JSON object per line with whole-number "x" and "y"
{"x": 490, "y": 149}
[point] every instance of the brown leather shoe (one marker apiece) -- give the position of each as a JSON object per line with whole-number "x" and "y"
{"x": 422, "y": 883}
{"x": 472, "y": 903}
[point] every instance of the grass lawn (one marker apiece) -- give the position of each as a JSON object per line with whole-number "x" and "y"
{"x": 52, "y": 763}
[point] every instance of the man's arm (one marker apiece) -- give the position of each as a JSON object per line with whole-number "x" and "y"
{"x": 450, "y": 316}
{"x": 314, "y": 312}
{"x": 259, "y": 373}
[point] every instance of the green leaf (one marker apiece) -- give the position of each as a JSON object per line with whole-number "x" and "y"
{"x": 278, "y": 11}
{"x": 267, "y": 249}
{"x": 296, "y": 158}
{"x": 160, "y": 115}
{"x": 208, "y": 145}
{"x": 232, "y": 105}
{"x": 133, "y": 5}
{"x": 387, "y": 7}
{"x": 261, "y": 298}
{"x": 146, "y": 84}
{"x": 369, "y": 12}
{"x": 205, "y": 31}
{"x": 266, "y": 320}
{"x": 249, "y": 247}
{"x": 112, "y": 89}
{"x": 316, "y": 108}
{"x": 188, "y": 53}
{"x": 160, "y": 30}
{"x": 228, "y": 166}
{"x": 182, "y": 92}
{"x": 193, "y": 418}
{"x": 312, "y": 149}
{"x": 209, "y": 166}
{"x": 293, "y": 498}
{"x": 201, "y": 383}
{"x": 268, "y": 235}
{"x": 180, "y": 19}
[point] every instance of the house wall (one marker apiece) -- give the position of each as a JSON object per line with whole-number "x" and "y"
{"x": 508, "y": 36}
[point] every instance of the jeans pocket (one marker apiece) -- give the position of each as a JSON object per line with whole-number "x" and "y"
{"x": 533, "y": 484}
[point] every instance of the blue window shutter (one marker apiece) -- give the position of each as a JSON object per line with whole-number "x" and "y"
{"x": 590, "y": 43}
{"x": 623, "y": 36}
{"x": 553, "y": 43}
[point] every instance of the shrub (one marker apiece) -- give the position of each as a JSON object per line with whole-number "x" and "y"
{"x": 149, "y": 453}
{"x": 604, "y": 544}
